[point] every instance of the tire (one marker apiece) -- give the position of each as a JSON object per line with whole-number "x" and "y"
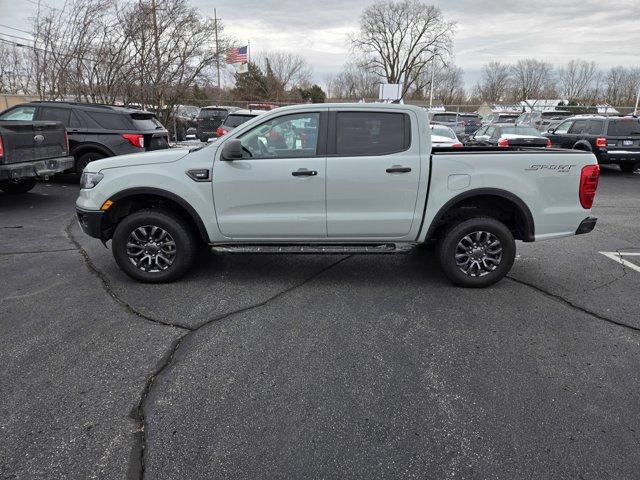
{"x": 85, "y": 159}
{"x": 629, "y": 167}
{"x": 21, "y": 185}
{"x": 480, "y": 273}
{"x": 137, "y": 228}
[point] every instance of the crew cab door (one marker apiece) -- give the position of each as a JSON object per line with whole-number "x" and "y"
{"x": 277, "y": 190}
{"x": 373, "y": 172}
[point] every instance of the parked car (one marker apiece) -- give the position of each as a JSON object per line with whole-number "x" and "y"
{"x": 96, "y": 131}
{"x": 261, "y": 106}
{"x": 500, "y": 118}
{"x": 336, "y": 178}
{"x": 472, "y": 122}
{"x": 542, "y": 121}
{"x": 613, "y": 140}
{"x": 508, "y": 135}
{"x": 442, "y": 136}
{"x": 209, "y": 120}
{"x": 235, "y": 119}
{"x": 29, "y": 150}
{"x": 449, "y": 119}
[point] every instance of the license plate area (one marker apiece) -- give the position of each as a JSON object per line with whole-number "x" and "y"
{"x": 627, "y": 143}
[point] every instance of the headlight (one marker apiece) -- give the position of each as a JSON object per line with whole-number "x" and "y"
{"x": 90, "y": 180}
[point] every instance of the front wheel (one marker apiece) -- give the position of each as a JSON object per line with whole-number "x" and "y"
{"x": 477, "y": 252}
{"x": 21, "y": 185}
{"x": 154, "y": 246}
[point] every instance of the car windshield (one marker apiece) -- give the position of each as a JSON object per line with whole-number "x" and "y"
{"x": 507, "y": 118}
{"x": 212, "y": 112}
{"x": 441, "y": 131}
{"x": 445, "y": 117}
{"x": 237, "y": 120}
{"x": 624, "y": 128}
{"x": 520, "y": 131}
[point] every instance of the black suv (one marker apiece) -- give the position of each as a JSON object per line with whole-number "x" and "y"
{"x": 209, "y": 119}
{"x": 613, "y": 140}
{"x": 96, "y": 131}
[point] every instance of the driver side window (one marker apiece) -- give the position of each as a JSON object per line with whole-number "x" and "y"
{"x": 288, "y": 136}
{"x": 564, "y": 127}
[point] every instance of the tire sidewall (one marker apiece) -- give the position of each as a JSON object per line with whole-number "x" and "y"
{"x": 449, "y": 242}
{"x": 22, "y": 185}
{"x": 178, "y": 229}
{"x": 85, "y": 159}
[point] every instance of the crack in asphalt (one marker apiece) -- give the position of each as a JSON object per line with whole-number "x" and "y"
{"x": 107, "y": 286}
{"x": 569, "y": 303}
{"x": 137, "y": 466}
{"x": 38, "y": 251}
{"x": 137, "y": 414}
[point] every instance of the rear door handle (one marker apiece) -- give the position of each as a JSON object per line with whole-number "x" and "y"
{"x": 398, "y": 169}
{"x": 304, "y": 173}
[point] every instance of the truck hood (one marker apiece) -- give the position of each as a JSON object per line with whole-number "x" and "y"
{"x": 146, "y": 158}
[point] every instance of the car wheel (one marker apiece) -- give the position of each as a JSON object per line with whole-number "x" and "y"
{"x": 154, "y": 246}
{"x": 85, "y": 159}
{"x": 21, "y": 185}
{"x": 477, "y": 252}
{"x": 629, "y": 167}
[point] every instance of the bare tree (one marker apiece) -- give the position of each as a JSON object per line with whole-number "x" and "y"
{"x": 621, "y": 85}
{"x": 398, "y": 40}
{"x": 532, "y": 79}
{"x": 290, "y": 70}
{"x": 353, "y": 83}
{"x": 494, "y": 82}
{"x": 448, "y": 85}
{"x": 577, "y": 80}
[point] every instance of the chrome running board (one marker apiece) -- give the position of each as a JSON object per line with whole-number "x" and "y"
{"x": 331, "y": 249}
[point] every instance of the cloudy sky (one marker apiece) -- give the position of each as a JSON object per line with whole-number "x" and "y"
{"x": 606, "y": 31}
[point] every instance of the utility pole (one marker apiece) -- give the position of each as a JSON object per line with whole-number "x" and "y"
{"x": 433, "y": 73}
{"x": 635, "y": 110}
{"x": 215, "y": 20}
{"x": 156, "y": 48}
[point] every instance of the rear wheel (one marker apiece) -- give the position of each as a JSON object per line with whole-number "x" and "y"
{"x": 629, "y": 167}
{"x": 21, "y": 185}
{"x": 85, "y": 159}
{"x": 154, "y": 246}
{"x": 477, "y": 252}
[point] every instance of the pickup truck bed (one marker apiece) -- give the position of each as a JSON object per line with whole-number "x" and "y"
{"x": 351, "y": 178}
{"x": 29, "y": 150}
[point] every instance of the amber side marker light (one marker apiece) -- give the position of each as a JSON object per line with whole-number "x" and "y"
{"x": 105, "y": 206}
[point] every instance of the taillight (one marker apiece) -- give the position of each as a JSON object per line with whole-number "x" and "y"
{"x": 457, "y": 145}
{"x": 66, "y": 141}
{"x": 549, "y": 144}
{"x": 134, "y": 139}
{"x": 503, "y": 142}
{"x": 221, "y": 131}
{"x": 601, "y": 142}
{"x": 1, "y": 148}
{"x": 588, "y": 185}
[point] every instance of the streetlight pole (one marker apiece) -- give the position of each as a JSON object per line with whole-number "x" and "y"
{"x": 215, "y": 23}
{"x": 433, "y": 73}
{"x": 635, "y": 110}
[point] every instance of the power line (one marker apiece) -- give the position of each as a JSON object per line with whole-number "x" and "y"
{"x": 17, "y": 36}
{"x": 51, "y": 51}
{"x": 14, "y": 28}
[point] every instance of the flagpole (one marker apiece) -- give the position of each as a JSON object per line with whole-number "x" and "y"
{"x": 215, "y": 20}
{"x": 248, "y": 52}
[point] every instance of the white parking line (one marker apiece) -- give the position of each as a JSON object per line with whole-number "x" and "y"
{"x": 617, "y": 257}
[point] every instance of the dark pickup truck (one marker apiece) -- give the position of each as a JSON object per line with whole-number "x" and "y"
{"x": 29, "y": 150}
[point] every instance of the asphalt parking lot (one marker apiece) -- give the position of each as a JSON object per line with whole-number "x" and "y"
{"x": 318, "y": 366}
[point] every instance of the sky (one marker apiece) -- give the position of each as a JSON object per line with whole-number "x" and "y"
{"x": 605, "y": 31}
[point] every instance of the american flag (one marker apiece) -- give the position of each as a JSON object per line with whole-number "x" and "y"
{"x": 237, "y": 55}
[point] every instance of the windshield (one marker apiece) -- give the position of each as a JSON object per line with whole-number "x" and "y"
{"x": 237, "y": 120}
{"x": 445, "y": 117}
{"x": 212, "y": 112}
{"x": 521, "y": 131}
{"x": 507, "y": 118}
{"x": 441, "y": 131}
{"x": 624, "y": 128}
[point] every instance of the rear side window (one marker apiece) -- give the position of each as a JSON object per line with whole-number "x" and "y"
{"x": 237, "y": 120}
{"x": 624, "y": 128}
{"x": 22, "y": 114}
{"x": 53, "y": 114}
{"x": 372, "y": 133}
{"x": 110, "y": 121}
{"x": 595, "y": 127}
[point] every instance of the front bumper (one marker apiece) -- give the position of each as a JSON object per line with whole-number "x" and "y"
{"x": 40, "y": 168}
{"x": 91, "y": 222}
{"x": 587, "y": 225}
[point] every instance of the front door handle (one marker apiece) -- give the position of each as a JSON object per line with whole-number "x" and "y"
{"x": 304, "y": 173}
{"x": 398, "y": 169}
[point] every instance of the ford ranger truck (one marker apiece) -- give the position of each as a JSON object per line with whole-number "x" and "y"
{"x": 29, "y": 150}
{"x": 336, "y": 179}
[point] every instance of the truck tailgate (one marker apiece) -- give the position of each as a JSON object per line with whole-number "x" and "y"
{"x": 32, "y": 141}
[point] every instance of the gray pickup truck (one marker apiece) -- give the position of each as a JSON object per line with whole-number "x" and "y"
{"x": 29, "y": 150}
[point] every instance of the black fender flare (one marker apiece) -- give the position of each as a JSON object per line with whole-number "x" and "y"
{"x": 82, "y": 147}
{"x": 583, "y": 145}
{"x": 529, "y": 226}
{"x": 158, "y": 192}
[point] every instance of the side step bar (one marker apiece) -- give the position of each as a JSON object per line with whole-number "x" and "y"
{"x": 331, "y": 249}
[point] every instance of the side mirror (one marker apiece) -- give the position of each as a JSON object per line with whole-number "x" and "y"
{"x": 551, "y": 130}
{"x": 232, "y": 150}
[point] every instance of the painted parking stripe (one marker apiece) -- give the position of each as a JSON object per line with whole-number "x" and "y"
{"x": 617, "y": 257}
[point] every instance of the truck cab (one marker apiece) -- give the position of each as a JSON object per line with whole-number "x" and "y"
{"x": 333, "y": 178}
